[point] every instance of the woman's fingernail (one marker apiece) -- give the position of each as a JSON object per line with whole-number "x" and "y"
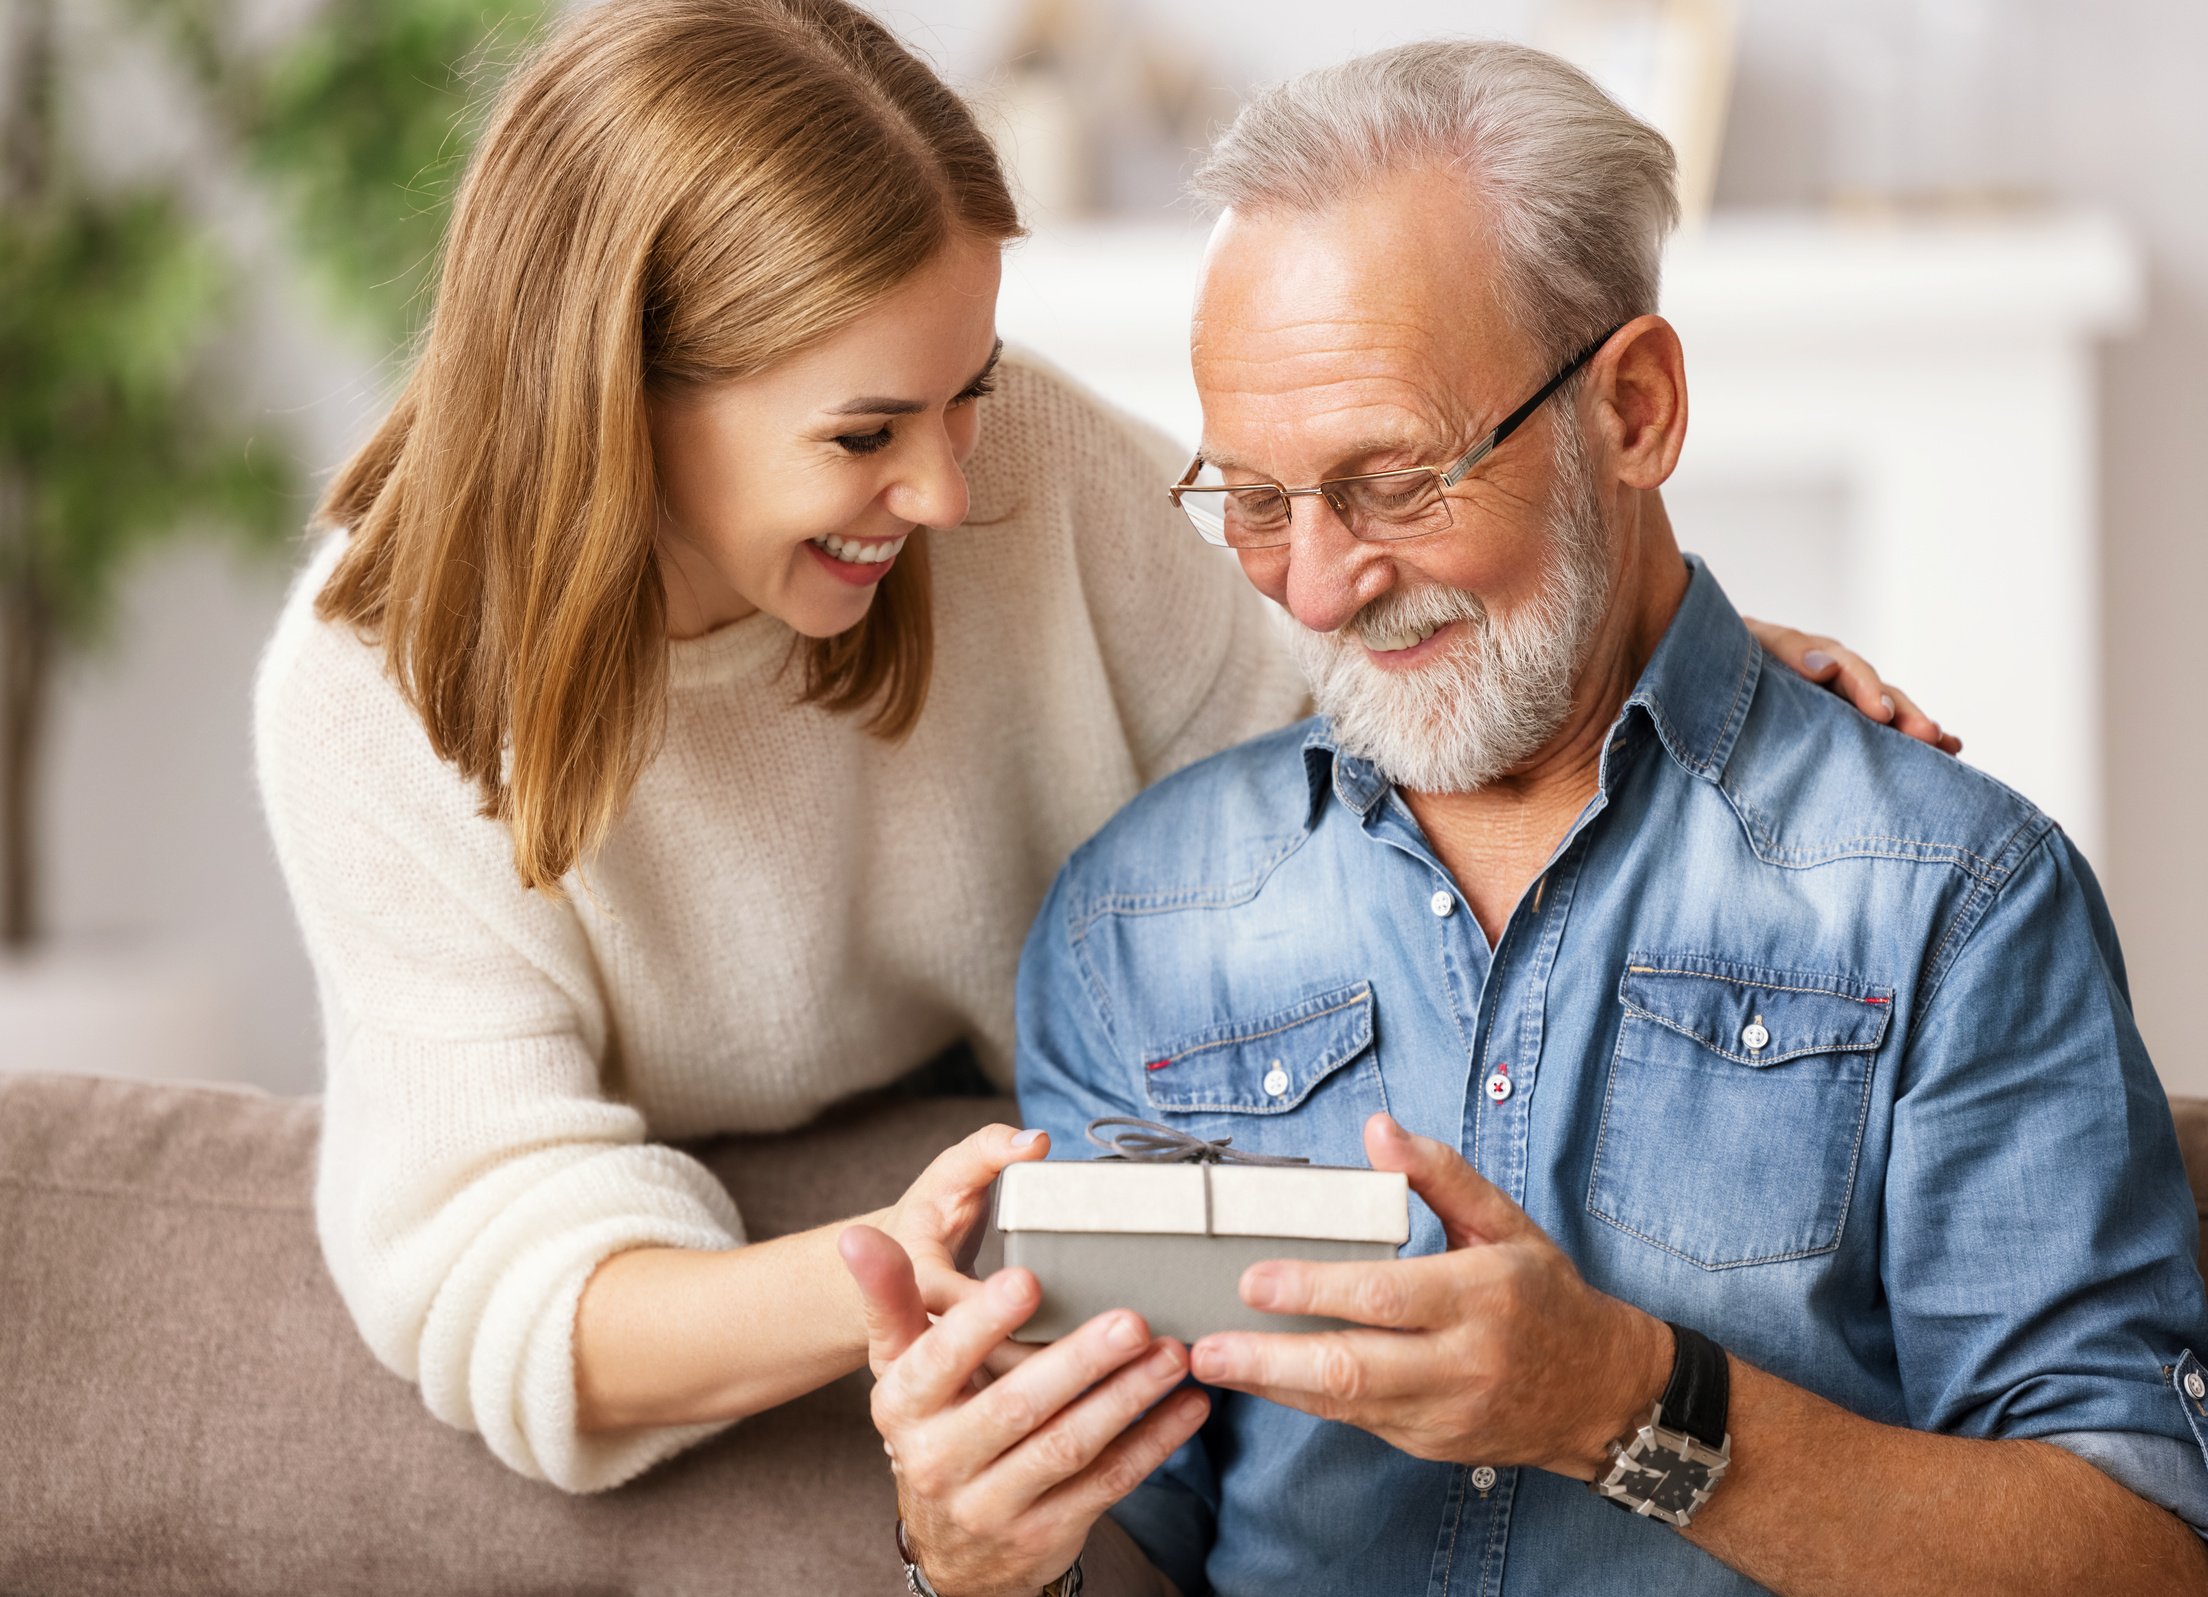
{"x": 1124, "y": 1335}
{"x": 1816, "y": 659}
{"x": 1027, "y": 1138}
{"x": 1260, "y": 1286}
{"x": 1391, "y": 1129}
{"x": 1887, "y": 699}
{"x": 1165, "y": 1361}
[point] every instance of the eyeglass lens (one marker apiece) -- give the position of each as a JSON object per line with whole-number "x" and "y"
{"x": 1405, "y": 504}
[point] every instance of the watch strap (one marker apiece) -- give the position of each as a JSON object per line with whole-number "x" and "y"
{"x": 1698, "y": 1398}
{"x": 916, "y": 1582}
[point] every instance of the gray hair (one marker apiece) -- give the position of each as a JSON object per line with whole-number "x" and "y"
{"x": 1579, "y": 192}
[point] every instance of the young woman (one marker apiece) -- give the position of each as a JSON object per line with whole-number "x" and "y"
{"x": 647, "y": 754}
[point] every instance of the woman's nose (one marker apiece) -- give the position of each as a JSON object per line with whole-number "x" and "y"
{"x": 932, "y": 491}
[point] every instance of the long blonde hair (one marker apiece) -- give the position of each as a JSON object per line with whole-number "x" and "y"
{"x": 668, "y": 193}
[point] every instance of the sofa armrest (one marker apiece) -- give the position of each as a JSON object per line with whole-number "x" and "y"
{"x": 187, "y": 1407}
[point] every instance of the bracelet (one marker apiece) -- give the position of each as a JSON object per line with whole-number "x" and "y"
{"x": 916, "y": 1583}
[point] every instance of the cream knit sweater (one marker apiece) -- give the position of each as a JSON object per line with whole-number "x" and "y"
{"x": 788, "y": 912}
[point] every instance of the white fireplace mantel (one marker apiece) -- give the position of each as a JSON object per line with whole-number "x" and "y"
{"x": 1934, "y": 380}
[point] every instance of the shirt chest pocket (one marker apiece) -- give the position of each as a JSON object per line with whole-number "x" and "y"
{"x": 1300, "y": 1078}
{"x": 1735, "y": 1109}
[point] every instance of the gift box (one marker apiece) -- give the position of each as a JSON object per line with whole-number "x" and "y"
{"x": 1168, "y": 1228}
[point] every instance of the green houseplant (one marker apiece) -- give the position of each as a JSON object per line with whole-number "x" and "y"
{"x": 110, "y": 299}
{"x": 115, "y": 301}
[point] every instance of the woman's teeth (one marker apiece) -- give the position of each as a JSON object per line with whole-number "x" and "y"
{"x": 852, "y": 552}
{"x": 1396, "y": 642}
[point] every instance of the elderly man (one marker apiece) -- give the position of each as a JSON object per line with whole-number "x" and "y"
{"x": 1792, "y": 1171}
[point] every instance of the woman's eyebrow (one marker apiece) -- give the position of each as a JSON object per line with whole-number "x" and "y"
{"x": 875, "y": 405}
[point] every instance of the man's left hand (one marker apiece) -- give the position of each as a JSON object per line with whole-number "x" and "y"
{"x": 1493, "y": 1352}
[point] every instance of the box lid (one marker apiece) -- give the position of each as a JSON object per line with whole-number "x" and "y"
{"x": 1335, "y": 1203}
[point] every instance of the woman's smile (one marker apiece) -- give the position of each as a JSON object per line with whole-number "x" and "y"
{"x": 856, "y": 560}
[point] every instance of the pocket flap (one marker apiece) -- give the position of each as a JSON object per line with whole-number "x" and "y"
{"x": 1752, "y": 1015}
{"x": 1264, "y": 1064}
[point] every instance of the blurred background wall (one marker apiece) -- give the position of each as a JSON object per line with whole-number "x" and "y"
{"x": 1877, "y": 115}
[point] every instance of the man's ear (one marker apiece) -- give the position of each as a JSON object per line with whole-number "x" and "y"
{"x": 1639, "y": 389}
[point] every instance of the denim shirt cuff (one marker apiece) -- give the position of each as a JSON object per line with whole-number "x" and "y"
{"x": 2165, "y": 1471}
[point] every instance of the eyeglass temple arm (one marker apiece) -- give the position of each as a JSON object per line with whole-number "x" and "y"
{"x": 1517, "y": 418}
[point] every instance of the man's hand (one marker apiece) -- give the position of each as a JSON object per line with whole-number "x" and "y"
{"x": 999, "y": 1484}
{"x": 1494, "y": 1352}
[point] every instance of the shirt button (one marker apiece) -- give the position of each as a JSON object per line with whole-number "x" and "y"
{"x": 2195, "y": 1387}
{"x": 1276, "y": 1080}
{"x": 1498, "y": 1086}
{"x": 1483, "y": 1478}
{"x": 1443, "y": 904}
{"x": 1753, "y": 1036}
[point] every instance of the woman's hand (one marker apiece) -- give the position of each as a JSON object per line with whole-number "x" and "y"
{"x": 1829, "y": 663}
{"x": 674, "y": 1336}
{"x": 1000, "y": 1486}
{"x": 938, "y": 1220}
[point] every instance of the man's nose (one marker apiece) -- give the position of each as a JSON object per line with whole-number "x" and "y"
{"x": 931, "y": 491}
{"x": 1332, "y": 574}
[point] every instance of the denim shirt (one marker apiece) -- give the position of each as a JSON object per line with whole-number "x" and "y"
{"x": 1807, "y": 1036}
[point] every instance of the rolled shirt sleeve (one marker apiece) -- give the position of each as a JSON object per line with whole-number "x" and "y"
{"x": 2040, "y": 1231}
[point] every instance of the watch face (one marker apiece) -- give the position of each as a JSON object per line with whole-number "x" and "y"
{"x": 1664, "y": 1474}
{"x": 1673, "y": 1484}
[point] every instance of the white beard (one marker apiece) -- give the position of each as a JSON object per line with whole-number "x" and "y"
{"x": 1502, "y": 688}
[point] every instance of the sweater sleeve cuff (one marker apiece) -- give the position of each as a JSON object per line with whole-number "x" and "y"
{"x": 535, "y": 1431}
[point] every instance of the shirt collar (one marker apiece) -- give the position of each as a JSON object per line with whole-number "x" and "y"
{"x": 1697, "y": 685}
{"x": 1356, "y": 782}
{"x": 1695, "y": 691}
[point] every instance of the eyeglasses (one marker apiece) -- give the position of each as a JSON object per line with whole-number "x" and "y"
{"x": 1409, "y": 502}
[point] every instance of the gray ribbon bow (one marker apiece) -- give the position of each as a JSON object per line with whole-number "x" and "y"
{"x": 1151, "y": 1142}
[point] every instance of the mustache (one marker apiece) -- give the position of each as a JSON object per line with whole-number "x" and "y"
{"x": 1419, "y": 609}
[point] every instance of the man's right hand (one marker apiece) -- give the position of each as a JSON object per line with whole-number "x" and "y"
{"x": 999, "y": 1484}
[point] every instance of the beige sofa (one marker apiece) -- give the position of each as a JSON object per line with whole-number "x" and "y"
{"x": 185, "y": 1407}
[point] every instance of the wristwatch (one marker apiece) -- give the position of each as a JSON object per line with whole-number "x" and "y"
{"x": 1669, "y": 1467}
{"x": 1066, "y": 1585}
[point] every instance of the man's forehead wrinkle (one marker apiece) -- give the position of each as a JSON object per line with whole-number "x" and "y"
{"x": 1308, "y": 355}
{"x": 1345, "y": 415}
{"x": 1262, "y": 381}
{"x": 1337, "y": 404}
{"x": 1309, "y": 431}
{"x": 1443, "y": 361}
{"x": 1353, "y": 326}
{"x": 1314, "y": 334}
{"x": 1358, "y": 305}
